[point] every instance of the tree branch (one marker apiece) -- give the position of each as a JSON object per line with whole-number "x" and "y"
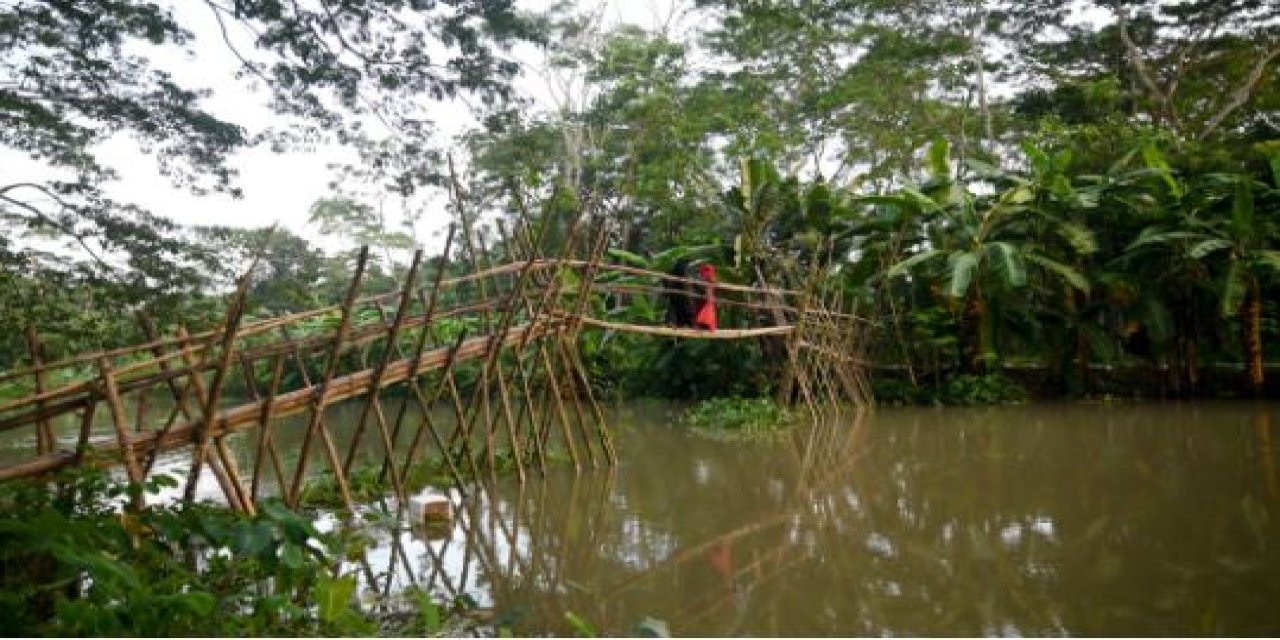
{"x": 1137, "y": 59}
{"x": 1242, "y": 93}
{"x": 44, "y": 217}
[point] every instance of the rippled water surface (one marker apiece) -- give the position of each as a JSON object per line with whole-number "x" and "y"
{"x": 1149, "y": 519}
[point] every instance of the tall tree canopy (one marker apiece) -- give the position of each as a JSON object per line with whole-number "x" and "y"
{"x": 75, "y": 73}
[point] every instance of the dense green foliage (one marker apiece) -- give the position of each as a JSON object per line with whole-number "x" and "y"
{"x": 72, "y": 563}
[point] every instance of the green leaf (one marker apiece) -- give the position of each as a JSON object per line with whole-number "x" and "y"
{"x": 905, "y": 266}
{"x": 1155, "y": 235}
{"x": 1242, "y": 208}
{"x": 199, "y": 603}
{"x": 1206, "y": 247}
{"x": 1156, "y": 160}
{"x": 100, "y": 567}
{"x": 1234, "y": 286}
{"x": 1019, "y": 195}
{"x": 291, "y": 555}
{"x": 961, "y": 266}
{"x": 940, "y": 159}
{"x": 1268, "y": 259}
{"x": 251, "y": 538}
{"x": 924, "y": 202}
{"x": 1068, "y": 274}
{"x": 633, "y": 259}
{"x": 1010, "y": 262}
{"x": 1080, "y": 238}
{"x": 333, "y": 596}
{"x": 1039, "y": 159}
{"x": 432, "y": 622}
{"x": 580, "y": 627}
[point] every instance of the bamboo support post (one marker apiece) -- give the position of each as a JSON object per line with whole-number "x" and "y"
{"x": 231, "y": 487}
{"x": 45, "y": 441}
{"x": 211, "y": 398}
{"x": 179, "y": 395}
{"x": 121, "y": 423}
{"x": 429, "y": 306}
{"x": 266, "y": 444}
{"x": 371, "y": 404}
{"x": 315, "y": 424}
{"x": 550, "y": 300}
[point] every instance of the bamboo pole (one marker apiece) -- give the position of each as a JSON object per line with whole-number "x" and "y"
{"x": 86, "y": 429}
{"x": 427, "y": 425}
{"x": 45, "y": 441}
{"x": 121, "y": 423}
{"x": 265, "y": 441}
{"x": 179, "y": 396}
{"x": 315, "y": 423}
{"x": 235, "y": 419}
{"x": 569, "y": 337}
{"x": 429, "y": 306}
{"x": 371, "y": 403}
{"x": 209, "y": 403}
{"x": 230, "y": 485}
{"x": 549, "y": 300}
{"x": 522, "y": 372}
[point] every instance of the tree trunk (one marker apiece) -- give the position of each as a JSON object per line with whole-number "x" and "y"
{"x": 975, "y": 319}
{"x": 1251, "y": 328}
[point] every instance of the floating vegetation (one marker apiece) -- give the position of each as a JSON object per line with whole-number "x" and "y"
{"x": 739, "y": 418}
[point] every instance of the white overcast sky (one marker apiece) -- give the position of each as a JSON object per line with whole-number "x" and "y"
{"x": 279, "y": 188}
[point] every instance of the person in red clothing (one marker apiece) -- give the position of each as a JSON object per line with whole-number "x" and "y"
{"x": 704, "y": 316}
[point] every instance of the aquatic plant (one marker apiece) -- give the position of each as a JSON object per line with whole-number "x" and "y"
{"x": 738, "y": 417}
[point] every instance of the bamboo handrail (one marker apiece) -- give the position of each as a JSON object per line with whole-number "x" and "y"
{"x": 696, "y": 334}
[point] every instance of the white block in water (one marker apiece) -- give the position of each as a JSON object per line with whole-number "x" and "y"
{"x": 431, "y": 506}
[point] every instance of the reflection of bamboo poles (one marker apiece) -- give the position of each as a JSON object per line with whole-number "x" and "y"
{"x": 527, "y": 542}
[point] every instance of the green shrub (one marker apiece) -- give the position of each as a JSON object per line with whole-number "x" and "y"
{"x": 72, "y": 563}
{"x": 738, "y": 417}
{"x": 987, "y": 389}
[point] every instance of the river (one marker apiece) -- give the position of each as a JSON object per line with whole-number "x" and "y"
{"x": 1037, "y": 520}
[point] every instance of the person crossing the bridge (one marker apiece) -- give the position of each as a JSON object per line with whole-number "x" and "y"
{"x": 691, "y": 304}
{"x": 681, "y": 304}
{"x": 704, "y": 316}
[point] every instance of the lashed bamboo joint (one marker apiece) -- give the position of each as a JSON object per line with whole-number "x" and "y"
{"x": 513, "y": 329}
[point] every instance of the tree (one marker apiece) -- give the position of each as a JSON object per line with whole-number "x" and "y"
{"x": 1203, "y": 69}
{"x": 74, "y": 73}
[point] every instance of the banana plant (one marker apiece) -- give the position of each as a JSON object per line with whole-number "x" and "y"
{"x": 982, "y": 248}
{"x": 1238, "y": 247}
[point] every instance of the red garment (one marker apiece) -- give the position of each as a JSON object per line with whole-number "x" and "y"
{"x": 705, "y": 318}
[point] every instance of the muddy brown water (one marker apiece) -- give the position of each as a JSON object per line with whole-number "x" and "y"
{"x": 1078, "y": 520}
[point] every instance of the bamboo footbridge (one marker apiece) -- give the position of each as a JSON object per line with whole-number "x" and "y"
{"x": 496, "y": 351}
